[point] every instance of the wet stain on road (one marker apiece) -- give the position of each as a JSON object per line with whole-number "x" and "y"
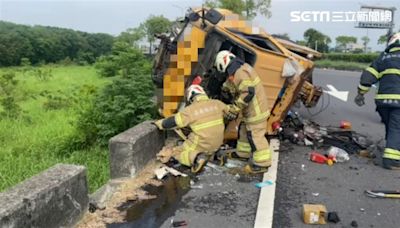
{"x": 153, "y": 212}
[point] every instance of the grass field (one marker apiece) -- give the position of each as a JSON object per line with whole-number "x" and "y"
{"x": 36, "y": 140}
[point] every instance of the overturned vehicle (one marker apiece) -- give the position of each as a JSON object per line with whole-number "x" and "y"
{"x": 189, "y": 51}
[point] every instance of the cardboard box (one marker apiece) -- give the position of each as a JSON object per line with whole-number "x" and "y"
{"x": 314, "y": 214}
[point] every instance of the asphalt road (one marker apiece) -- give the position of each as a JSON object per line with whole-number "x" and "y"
{"x": 339, "y": 187}
{"x": 220, "y": 199}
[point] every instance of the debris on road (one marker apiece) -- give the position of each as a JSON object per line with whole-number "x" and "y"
{"x": 333, "y": 217}
{"x": 338, "y": 155}
{"x": 340, "y": 140}
{"x": 354, "y": 223}
{"x": 315, "y": 193}
{"x": 383, "y": 194}
{"x": 344, "y": 124}
{"x": 314, "y": 214}
{"x": 178, "y": 223}
{"x": 264, "y": 183}
{"x": 320, "y": 158}
{"x": 164, "y": 170}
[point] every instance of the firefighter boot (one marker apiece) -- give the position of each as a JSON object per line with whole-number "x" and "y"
{"x": 221, "y": 157}
{"x": 254, "y": 169}
{"x": 391, "y": 164}
{"x": 199, "y": 163}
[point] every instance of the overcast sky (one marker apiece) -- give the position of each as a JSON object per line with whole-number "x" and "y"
{"x": 113, "y": 17}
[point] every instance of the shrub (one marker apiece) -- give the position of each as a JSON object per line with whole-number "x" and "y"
{"x": 125, "y": 60}
{"x": 348, "y": 57}
{"x": 8, "y": 93}
{"x": 119, "y": 106}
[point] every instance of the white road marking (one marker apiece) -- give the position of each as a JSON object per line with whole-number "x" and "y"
{"x": 342, "y": 95}
{"x": 265, "y": 209}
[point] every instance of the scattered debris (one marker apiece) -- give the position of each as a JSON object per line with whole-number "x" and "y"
{"x": 164, "y": 170}
{"x": 178, "y": 223}
{"x": 344, "y": 124}
{"x": 354, "y": 223}
{"x": 305, "y": 132}
{"x": 194, "y": 186}
{"x": 303, "y": 167}
{"x": 333, "y": 217}
{"x": 362, "y": 209}
{"x": 338, "y": 154}
{"x": 314, "y": 214}
{"x": 383, "y": 194}
{"x": 315, "y": 193}
{"x": 321, "y": 159}
{"x": 264, "y": 183}
{"x": 379, "y": 214}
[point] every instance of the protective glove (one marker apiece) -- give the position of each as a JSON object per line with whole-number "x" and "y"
{"x": 359, "y": 100}
{"x": 158, "y": 123}
{"x": 232, "y": 112}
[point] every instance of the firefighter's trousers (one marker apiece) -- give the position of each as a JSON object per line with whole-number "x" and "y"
{"x": 391, "y": 119}
{"x": 187, "y": 152}
{"x": 252, "y": 143}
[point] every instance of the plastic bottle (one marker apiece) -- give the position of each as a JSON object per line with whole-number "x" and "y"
{"x": 340, "y": 155}
{"x": 318, "y": 158}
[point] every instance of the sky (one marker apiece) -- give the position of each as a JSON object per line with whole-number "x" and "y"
{"x": 115, "y": 16}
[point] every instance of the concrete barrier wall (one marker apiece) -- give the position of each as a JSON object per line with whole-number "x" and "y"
{"x": 57, "y": 197}
{"x": 132, "y": 149}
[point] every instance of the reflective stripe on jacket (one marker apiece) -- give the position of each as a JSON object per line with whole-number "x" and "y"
{"x": 385, "y": 70}
{"x": 247, "y": 81}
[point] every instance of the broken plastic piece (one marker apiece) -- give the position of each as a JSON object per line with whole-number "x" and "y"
{"x": 263, "y": 184}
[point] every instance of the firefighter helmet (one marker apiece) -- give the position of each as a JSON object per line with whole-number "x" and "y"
{"x": 395, "y": 38}
{"x": 194, "y": 90}
{"x": 222, "y": 60}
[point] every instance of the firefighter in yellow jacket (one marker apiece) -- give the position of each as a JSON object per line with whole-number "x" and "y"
{"x": 205, "y": 117}
{"x": 251, "y": 100}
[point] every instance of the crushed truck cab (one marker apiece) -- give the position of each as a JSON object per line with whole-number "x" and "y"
{"x": 190, "y": 48}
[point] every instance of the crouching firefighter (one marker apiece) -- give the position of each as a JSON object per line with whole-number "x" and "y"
{"x": 249, "y": 99}
{"x": 205, "y": 118}
{"x": 386, "y": 70}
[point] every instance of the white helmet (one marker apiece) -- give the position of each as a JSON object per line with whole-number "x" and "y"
{"x": 223, "y": 59}
{"x": 395, "y": 38}
{"x": 192, "y": 91}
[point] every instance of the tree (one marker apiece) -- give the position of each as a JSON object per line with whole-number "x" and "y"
{"x": 383, "y": 39}
{"x": 301, "y": 42}
{"x": 342, "y": 41}
{"x": 284, "y": 36}
{"x": 365, "y": 40}
{"x": 317, "y": 40}
{"x": 247, "y": 8}
{"x": 131, "y": 36}
{"x": 155, "y": 25}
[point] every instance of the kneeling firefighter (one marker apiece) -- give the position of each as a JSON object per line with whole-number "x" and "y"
{"x": 386, "y": 70}
{"x": 205, "y": 118}
{"x": 249, "y": 99}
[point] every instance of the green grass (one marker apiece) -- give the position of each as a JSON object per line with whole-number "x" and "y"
{"x": 341, "y": 65}
{"x": 36, "y": 140}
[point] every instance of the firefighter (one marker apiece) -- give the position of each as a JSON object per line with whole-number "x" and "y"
{"x": 249, "y": 99}
{"x": 205, "y": 118}
{"x": 386, "y": 70}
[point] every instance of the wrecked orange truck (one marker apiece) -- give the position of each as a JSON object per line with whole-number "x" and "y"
{"x": 190, "y": 48}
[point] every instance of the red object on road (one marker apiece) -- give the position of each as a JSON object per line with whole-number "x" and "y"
{"x": 318, "y": 158}
{"x": 344, "y": 124}
{"x": 197, "y": 80}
